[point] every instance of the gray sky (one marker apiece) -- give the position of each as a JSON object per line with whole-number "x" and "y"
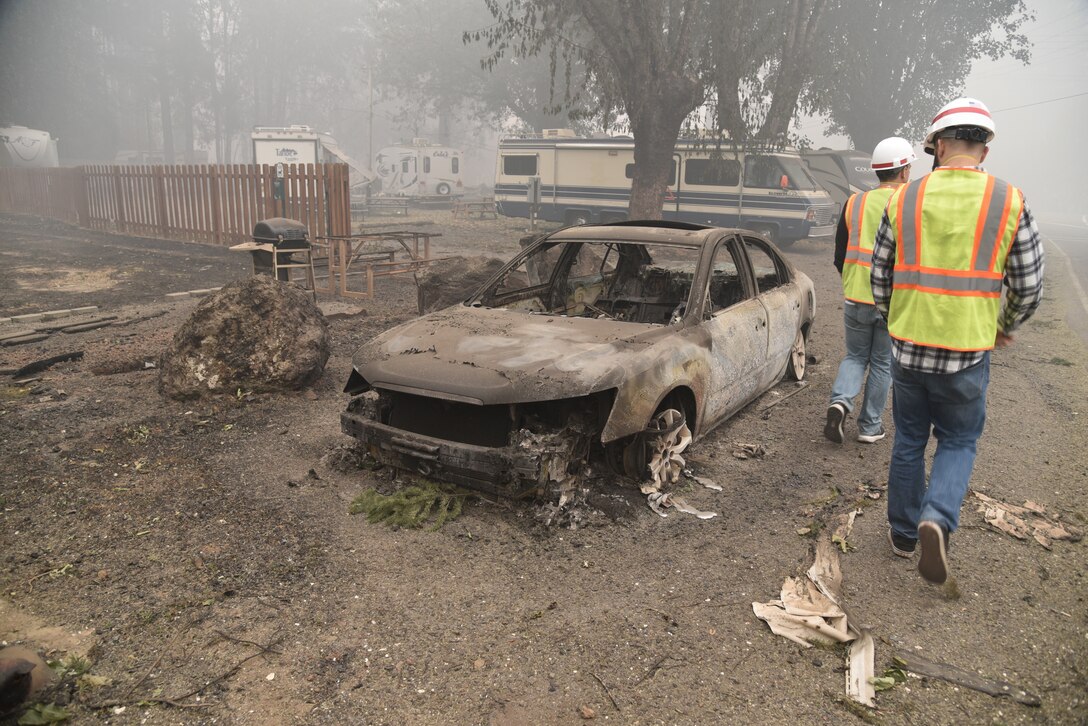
{"x": 1038, "y": 147}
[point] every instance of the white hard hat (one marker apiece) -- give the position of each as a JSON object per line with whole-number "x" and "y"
{"x": 961, "y": 112}
{"x": 892, "y": 153}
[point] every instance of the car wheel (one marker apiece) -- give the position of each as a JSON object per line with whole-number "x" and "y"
{"x": 576, "y": 218}
{"x": 443, "y": 189}
{"x": 659, "y": 452}
{"x": 798, "y": 358}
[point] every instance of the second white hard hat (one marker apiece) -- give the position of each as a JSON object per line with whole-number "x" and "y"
{"x": 892, "y": 153}
{"x": 961, "y": 112}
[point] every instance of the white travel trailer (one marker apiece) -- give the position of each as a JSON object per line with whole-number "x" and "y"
{"x": 420, "y": 169}
{"x": 302, "y": 145}
{"x": 589, "y": 180}
{"x": 20, "y": 146}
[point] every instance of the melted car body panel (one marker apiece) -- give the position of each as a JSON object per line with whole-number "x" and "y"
{"x": 574, "y": 346}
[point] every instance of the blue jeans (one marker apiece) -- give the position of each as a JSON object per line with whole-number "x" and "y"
{"x": 954, "y": 404}
{"x": 867, "y": 346}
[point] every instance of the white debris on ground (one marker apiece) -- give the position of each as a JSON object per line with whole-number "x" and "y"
{"x": 1029, "y": 520}
{"x": 808, "y": 611}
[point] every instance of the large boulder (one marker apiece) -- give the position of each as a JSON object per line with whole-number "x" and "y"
{"x": 257, "y": 334}
{"x": 451, "y": 280}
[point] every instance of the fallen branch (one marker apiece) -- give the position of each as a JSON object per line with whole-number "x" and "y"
{"x": 607, "y": 692}
{"x": 967, "y": 679}
{"x": 176, "y": 701}
{"x": 46, "y": 363}
{"x": 240, "y": 641}
{"x": 800, "y": 387}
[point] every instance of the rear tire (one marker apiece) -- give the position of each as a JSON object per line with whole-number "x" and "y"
{"x": 798, "y": 361}
{"x": 443, "y": 189}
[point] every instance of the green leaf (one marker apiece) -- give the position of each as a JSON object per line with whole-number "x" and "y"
{"x": 43, "y": 713}
{"x": 883, "y": 683}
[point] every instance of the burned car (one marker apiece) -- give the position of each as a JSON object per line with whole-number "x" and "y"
{"x": 612, "y": 344}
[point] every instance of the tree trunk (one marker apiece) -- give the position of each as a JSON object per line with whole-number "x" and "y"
{"x": 802, "y": 18}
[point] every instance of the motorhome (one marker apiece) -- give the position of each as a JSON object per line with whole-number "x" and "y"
{"x": 300, "y": 144}
{"x": 712, "y": 182}
{"x": 841, "y": 173}
{"x": 420, "y": 169}
{"x": 20, "y": 146}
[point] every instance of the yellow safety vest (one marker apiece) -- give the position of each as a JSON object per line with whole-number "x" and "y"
{"x": 863, "y": 215}
{"x": 953, "y": 231}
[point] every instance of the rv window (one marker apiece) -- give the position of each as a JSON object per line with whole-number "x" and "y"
{"x": 629, "y": 172}
{"x": 426, "y": 165}
{"x": 762, "y": 172}
{"x": 404, "y": 166}
{"x": 766, "y": 172}
{"x": 519, "y": 165}
{"x": 454, "y": 164}
{"x": 712, "y": 172}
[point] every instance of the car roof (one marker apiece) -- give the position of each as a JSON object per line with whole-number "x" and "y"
{"x": 680, "y": 233}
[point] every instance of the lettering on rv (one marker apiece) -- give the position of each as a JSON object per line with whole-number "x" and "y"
{"x": 286, "y": 152}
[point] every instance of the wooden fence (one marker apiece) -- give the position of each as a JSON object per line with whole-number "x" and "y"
{"x": 217, "y": 204}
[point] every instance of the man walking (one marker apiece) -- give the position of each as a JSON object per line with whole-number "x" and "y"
{"x": 944, "y": 246}
{"x": 867, "y": 342}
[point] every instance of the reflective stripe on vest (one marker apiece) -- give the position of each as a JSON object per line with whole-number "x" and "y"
{"x": 863, "y": 215}
{"x": 953, "y": 232}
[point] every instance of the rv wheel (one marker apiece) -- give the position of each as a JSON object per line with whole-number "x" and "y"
{"x": 767, "y": 231}
{"x": 443, "y": 189}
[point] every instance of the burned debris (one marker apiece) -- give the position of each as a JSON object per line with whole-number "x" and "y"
{"x": 257, "y": 334}
{"x": 611, "y": 347}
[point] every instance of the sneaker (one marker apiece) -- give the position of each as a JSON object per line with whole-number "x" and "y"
{"x": 933, "y": 563}
{"x": 872, "y": 438}
{"x": 902, "y": 546}
{"x": 836, "y": 414}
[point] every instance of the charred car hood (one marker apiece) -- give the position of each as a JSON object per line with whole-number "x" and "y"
{"x": 490, "y": 356}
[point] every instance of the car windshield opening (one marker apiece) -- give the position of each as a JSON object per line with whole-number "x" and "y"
{"x": 615, "y": 280}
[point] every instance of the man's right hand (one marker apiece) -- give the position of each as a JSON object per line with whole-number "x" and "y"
{"x": 1003, "y": 339}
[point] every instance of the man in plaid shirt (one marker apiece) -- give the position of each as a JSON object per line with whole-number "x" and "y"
{"x": 944, "y": 246}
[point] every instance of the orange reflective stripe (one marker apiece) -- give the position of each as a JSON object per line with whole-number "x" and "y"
{"x": 1005, "y": 219}
{"x": 983, "y": 212}
{"x": 918, "y": 221}
{"x": 900, "y": 242}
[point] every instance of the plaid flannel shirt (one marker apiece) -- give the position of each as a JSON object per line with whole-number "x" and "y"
{"x": 1023, "y": 280}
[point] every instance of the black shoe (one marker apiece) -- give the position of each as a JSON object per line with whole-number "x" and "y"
{"x": 836, "y": 414}
{"x": 933, "y": 563}
{"x": 902, "y": 546}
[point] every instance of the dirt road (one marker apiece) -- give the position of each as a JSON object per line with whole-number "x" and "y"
{"x": 207, "y": 553}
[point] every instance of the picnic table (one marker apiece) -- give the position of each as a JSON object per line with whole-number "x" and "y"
{"x": 482, "y": 209}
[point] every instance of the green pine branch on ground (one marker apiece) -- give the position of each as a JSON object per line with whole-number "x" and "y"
{"x": 412, "y": 506}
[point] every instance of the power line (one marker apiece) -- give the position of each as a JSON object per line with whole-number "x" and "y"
{"x": 1040, "y": 103}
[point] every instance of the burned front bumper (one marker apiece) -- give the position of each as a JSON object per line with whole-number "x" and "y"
{"x": 516, "y": 471}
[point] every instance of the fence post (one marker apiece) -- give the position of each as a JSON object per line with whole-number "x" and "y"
{"x": 82, "y": 194}
{"x": 160, "y": 200}
{"x": 118, "y": 188}
{"x": 217, "y": 205}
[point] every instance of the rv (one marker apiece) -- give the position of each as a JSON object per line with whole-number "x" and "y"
{"x": 589, "y": 180}
{"x": 20, "y": 146}
{"x": 420, "y": 169}
{"x": 841, "y": 173}
{"x": 302, "y": 145}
